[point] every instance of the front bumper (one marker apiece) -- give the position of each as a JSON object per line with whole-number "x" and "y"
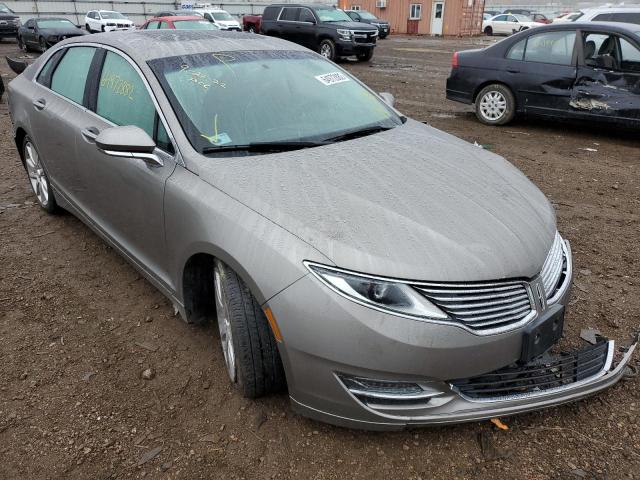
{"x": 347, "y": 47}
{"x": 328, "y": 338}
{"x": 111, "y": 28}
{"x": 8, "y": 31}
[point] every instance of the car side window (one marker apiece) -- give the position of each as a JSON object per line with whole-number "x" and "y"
{"x": 500, "y": 18}
{"x": 29, "y": 24}
{"x": 626, "y": 18}
{"x": 289, "y": 14}
{"x": 511, "y": 18}
{"x": 306, "y": 15}
{"x": 630, "y": 56}
{"x": 122, "y": 96}
{"x": 44, "y": 77}
{"x": 207, "y": 16}
{"x": 552, "y": 47}
{"x": 516, "y": 52}
{"x": 70, "y": 76}
{"x": 152, "y": 25}
{"x": 164, "y": 25}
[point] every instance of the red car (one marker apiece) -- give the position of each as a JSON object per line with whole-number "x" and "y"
{"x": 185, "y": 22}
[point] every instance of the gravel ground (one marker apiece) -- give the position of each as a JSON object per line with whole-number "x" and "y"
{"x": 78, "y": 326}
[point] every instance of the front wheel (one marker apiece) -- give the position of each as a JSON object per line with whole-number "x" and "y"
{"x": 495, "y": 105}
{"x": 365, "y": 57}
{"x": 87, "y": 27}
{"x": 43, "y": 44}
{"x": 249, "y": 347}
{"x": 21, "y": 45}
{"x": 327, "y": 49}
{"x": 488, "y": 31}
{"x": 251, "y": 29}
{"x": 102, "y": 28}
{"x": 38, "y": 177}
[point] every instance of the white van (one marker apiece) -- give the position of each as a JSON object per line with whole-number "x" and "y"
{"x": 221, "y": 18}
{"x": 610, "y": 14}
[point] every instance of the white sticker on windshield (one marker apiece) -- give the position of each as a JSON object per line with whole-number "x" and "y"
{"x": 332, "y": 78}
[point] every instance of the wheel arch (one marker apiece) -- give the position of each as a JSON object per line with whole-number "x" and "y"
{"x": 20, "y": 135}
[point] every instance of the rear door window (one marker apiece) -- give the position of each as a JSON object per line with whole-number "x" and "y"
{"x": 552, "y": 47}
{"x": 70, "y": 76}
{"x": 626, "y": 18}
{"x": 152, "y": 25}
{"x": 289, "y": 14}
{"x": 164, "y": 26}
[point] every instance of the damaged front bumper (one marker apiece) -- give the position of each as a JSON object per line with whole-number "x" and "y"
{"x": 548, "y": 381}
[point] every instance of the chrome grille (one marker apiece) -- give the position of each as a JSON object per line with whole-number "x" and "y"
{"x": 484, "y": 307}
{"x": 553, "y": 267}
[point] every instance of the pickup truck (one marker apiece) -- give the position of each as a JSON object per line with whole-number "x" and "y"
{"x": 251, "y": 23}
{"x": 322, "y": 28}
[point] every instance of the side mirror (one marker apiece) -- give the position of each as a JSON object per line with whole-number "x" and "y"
{"x": 129, "y": 142}
{"x": 388, "y": 98}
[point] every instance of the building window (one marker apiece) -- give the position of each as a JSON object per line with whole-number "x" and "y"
{"x": 416, "y": 11}
{"x": 355, "y": 7}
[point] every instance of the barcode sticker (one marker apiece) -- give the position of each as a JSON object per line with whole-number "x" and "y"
{"x": 332, "y": 78}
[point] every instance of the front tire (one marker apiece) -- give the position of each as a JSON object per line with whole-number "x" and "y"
{"x": 251, "y": 29}
{"x": 103, "y": 29}
{"x": 43, "y": 44}
{"x": 365, "y": 57}
{"x": 327, "y": 49}
{"x": 249, "y": 347}
{"x": 488, "y": 31}
{"x": 495, "y": 105}
{"x": 87, "y": 27}
{"x": 21, "y": 45}
{"x": 38, "y": 177}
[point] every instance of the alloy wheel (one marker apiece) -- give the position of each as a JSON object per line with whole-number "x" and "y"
{"x": 325, "y": 50}
{"x": 493, "y": 105}
{"x": 37, "y": 176}
{"x": 224, "y": 326}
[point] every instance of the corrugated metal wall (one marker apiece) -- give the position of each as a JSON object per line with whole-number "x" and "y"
{"x": 136, "y": 11}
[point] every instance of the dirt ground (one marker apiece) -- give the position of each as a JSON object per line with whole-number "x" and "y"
{"x": 78, "y": 326}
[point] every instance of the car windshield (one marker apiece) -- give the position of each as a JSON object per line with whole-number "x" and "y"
{"x": 5, "y": 9}
{"x": 224, "y": 16}
{"x": 194, "y": 25}
{"x": 236, "y": 99}
{"x": 367, "y": 15}
{"x": 523, "y": 18}
{"x": 111, "y": 15}
{"x": 574, "y": 16}
{"x": 55, "y": 23}
{"x": 332, "y": 15}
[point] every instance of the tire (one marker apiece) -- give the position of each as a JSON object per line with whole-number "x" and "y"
{"x": 365, "y": 57}
{"x": 38, "y": 177}
{"x": 327, "y": 49}
{"x": 87, "y": 27}
{"x": 249, "y": 347}
{"x": 495, "y": 105}
{"x": 488, "y": 31}
{"x": 21, "y": 45}
{"x": 42, "y": 43}
{"x": 251, "y": 29}
{"x": 102, "y": 28}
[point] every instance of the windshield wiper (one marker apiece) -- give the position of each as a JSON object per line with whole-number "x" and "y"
{"x": 263, "y": 147}
{"x": 363, "y": 132}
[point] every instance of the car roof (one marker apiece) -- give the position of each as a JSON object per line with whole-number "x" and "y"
{"x": 176, "y": 18}
{"x": 145, "y": 45}
{"x": 50, "y": 18}
{"x": 308, "y": 5}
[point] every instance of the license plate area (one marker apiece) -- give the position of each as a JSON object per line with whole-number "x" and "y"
{"x": 543, "y": 333}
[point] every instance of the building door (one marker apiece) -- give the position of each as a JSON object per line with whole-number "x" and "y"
{"x": 437, "y": 14}
{"x": 415, "y": 14}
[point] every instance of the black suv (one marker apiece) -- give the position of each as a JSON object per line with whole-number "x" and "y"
{"x": 9, "y": 22}
{"x": 325, "y": 29}
{"x": 368, "y": 17}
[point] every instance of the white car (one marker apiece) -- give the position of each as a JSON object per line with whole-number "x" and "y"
{"x": 610, "y": 14}
{"x": 106, "y": 21}
{"x": 568, "y": 17}
{"x": 221, "y": 18}
{"x": 508, "y": 23}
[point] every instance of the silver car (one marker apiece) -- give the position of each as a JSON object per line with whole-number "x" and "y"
{"x": 384, "y": 272}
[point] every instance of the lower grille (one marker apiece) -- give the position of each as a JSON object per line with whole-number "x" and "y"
{"x": 537, "y": 377}
{"x": 482, "y": 306}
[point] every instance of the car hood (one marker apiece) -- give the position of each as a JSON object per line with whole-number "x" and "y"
{"x": 227, "y": 22}
{"x": 353, "y": 25}
{"x": 63, "y": 31}
{"x": 8, "y": 16}
{"x": 412, "y": 202}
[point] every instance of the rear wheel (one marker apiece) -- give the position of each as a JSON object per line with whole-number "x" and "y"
{"x": 495, "y": 105}
{"x": 251, "y": 29}
{"x": 365, "y": 57}
{"x": 38, "y": 177}
{"x": 488, "y": 31}
{"x": 249, "y": 347}
{"x": 327, "y": 49}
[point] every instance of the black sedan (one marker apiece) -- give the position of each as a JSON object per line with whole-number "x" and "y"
{"x": 566, "y": 70}
{"x": 41, "y": 33}
{"x": 370, "y": 18}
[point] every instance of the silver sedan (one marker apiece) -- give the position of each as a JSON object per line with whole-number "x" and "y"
{"x": 384, "y": 272}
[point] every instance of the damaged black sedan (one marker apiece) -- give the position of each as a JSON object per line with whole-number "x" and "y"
{"x": 587, "y": 71}
{"x": 42, "y": 33}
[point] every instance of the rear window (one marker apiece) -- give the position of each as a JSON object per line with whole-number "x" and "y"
{"x": 70, "y": 76}
{"x": 270, "y": 13}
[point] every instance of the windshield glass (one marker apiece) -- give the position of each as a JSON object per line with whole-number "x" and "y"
{"x": 367, "y": 15}
{"x": 224, "y": 16}
{"x": 5, "y": 9}
{"x": 243, "y": 98}
{"x": 111, "y": 15}
{"x": 61, "y": 23}
{"x": 194, "y": 25}
{"x": 332, "y": 15}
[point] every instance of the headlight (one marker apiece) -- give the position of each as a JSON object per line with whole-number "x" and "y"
{"x": 344, "y": 34}
{"x": 386, "y": 295}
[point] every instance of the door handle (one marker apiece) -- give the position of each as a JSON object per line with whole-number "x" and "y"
{"x": 90, "y": 134}
{"x": 40, "y": 103}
